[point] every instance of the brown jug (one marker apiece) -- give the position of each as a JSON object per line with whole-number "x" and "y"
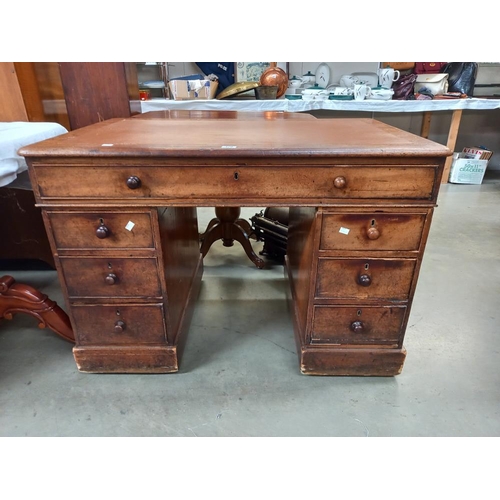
{"x": 275, "y": 76}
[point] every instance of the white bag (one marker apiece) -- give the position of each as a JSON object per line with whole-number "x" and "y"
{"x": 437, "y": 83}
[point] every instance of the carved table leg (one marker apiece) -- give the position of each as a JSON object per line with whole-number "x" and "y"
{"x": 211, "y": 224}
{"x": 245, "y": 225}
{"x": 228, "y": 227}
{"x": 19, "y": 298}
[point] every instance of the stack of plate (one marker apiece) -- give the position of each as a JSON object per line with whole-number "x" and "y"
{"x": 153, "y": 84}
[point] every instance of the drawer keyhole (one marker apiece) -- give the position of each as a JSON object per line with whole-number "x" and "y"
{"x": 236, "y": 176}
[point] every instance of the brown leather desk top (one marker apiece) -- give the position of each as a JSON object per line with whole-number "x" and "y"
{"x": 273, "y": 136}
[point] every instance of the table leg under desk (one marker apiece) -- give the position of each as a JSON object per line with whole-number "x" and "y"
{"x": 456, "y": 117}
{"x": 228, "y": 227}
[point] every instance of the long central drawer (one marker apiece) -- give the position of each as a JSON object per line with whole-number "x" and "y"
{"x": 239, "y": 182}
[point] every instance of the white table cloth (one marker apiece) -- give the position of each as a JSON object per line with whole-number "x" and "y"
{"x": 392, "y": 106}
{"x": 14, "y": 136}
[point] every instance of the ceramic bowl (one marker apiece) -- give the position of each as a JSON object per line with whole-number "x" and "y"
{"x": 266, "y": 92}
{"x": 381, "y": 94}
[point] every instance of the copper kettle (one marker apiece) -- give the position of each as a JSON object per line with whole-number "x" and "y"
{"x": 275, "y": 76}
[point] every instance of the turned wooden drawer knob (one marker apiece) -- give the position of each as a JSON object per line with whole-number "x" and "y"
{"x": 102, "y": 232}
{"x": 373, "y": 233}
{"x": 357, "y": 326}
{"x": 111, "y": 279}
{"x": 133, "y": 182}
{"x": 119, "y": 326}
{"x": 364, "y": 280}
{"x": 340, "y": 182}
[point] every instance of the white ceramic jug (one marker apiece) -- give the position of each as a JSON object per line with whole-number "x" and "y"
{"x": 387, "y": 76}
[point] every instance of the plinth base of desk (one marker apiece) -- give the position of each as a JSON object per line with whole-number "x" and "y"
{"x": 133, "y": 359}
{"x": 326, "y": 360}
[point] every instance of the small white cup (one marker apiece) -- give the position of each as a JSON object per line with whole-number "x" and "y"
{"x": 361, "y": 91}
{"x": 387, "y": 76}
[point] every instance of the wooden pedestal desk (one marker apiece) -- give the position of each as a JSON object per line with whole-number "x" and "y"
{"x": 119, "y": 203}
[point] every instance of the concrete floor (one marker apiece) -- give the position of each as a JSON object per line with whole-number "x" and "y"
{"x": 239, "y": 374}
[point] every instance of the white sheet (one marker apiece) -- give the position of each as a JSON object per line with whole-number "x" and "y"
{"x": 15, "y": 135}
{"x": 392, "y": 106}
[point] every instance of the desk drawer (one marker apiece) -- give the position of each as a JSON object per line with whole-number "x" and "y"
{"x": 111, "y": 277}
{"x": 88, "y": 230}
{"x": 375, "y": 231}
{"x": 119, "y": 324}
{"x": 381, "y": 279}
{"x": 357, "y": 325}
{"x": 238, "y": 182}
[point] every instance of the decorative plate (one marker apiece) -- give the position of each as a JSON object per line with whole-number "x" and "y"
{"x": 323, "y": 75}
{"x": 154, "y": 84}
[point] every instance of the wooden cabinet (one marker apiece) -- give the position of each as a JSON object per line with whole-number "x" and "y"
{"x": 125, "y": 238}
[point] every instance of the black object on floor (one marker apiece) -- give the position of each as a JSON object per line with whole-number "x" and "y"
{"x": 271, "y": 227}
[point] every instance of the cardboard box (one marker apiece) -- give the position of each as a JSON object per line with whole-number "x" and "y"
{"x": 183, "y": 90}
{"x": 476, "y": 153}
{"x": 467, "y": 171}
{"x": 469, "y": 166}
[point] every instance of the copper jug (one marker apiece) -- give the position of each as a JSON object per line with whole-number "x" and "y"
{"x": 275, "y": 76}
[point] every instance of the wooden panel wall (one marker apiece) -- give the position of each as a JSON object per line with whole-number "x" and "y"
{"x": 28, "y": 84}
{"x": 95, "y": 92}
{"x": 12, "y": 107}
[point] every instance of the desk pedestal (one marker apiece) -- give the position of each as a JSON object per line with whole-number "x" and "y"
{"x": 131, "y": 278}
